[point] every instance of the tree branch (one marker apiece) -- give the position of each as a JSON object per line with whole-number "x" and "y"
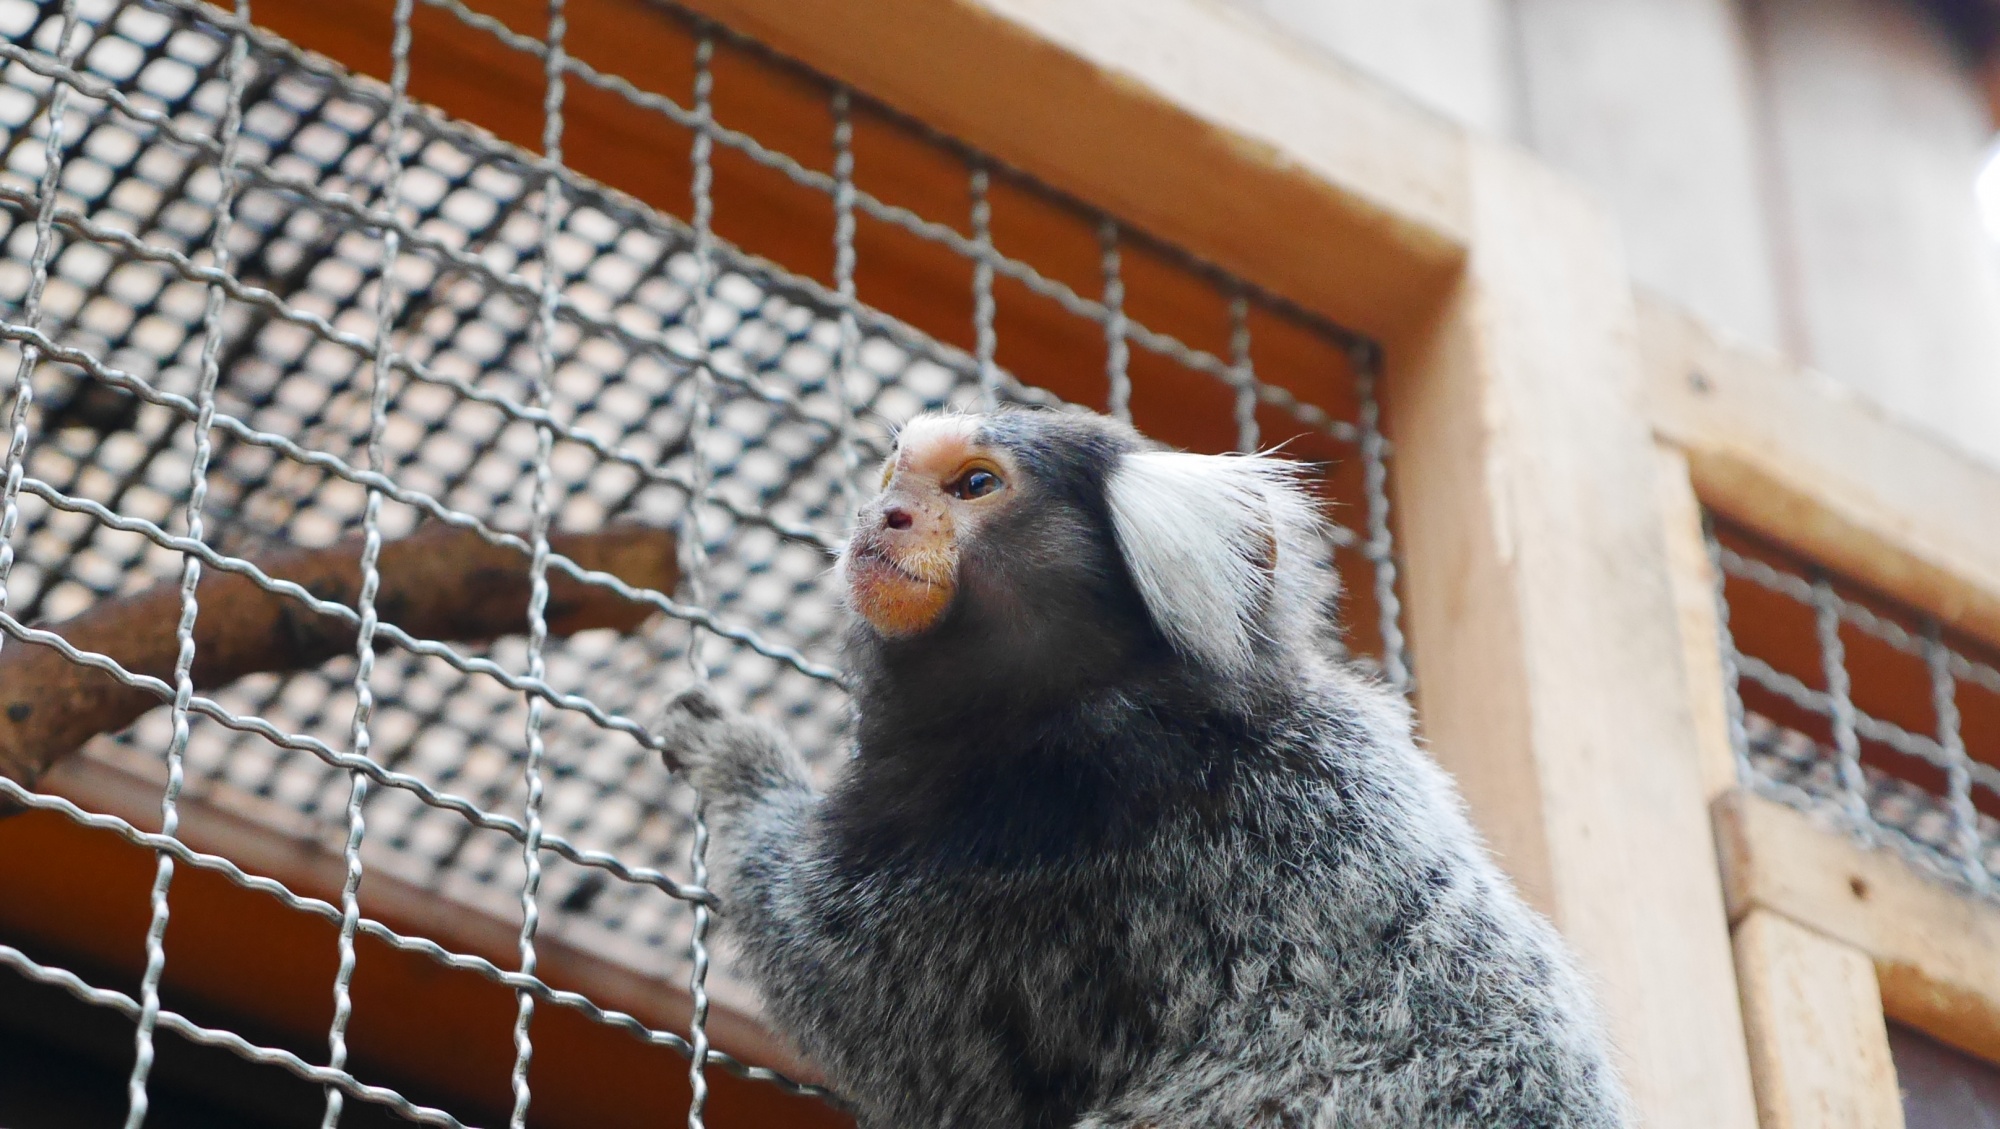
{"x": 440, "y": 583}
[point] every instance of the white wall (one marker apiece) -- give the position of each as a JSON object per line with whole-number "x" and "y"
{"x": 1877, "y": 136}
{"x": 1798, "y": 173}
{"x": 1451, "y": 55}
{"x": 1652, "y": 103}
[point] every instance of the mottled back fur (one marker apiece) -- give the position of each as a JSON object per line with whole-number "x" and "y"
{"x": 1121, "y": 846}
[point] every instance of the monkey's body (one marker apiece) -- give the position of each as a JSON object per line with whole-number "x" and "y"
{"x": 1077, "y": 876}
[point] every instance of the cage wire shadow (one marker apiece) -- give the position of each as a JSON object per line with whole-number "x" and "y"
{"x": 1801, "y": 734}
{"x": 277, "y": 305}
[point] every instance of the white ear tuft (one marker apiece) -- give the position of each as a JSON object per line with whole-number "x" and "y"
{"x": 1205, "y": 538}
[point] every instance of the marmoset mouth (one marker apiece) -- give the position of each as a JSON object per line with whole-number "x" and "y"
{"x": 874, "y": 555}
{"x": 892, "y": 598}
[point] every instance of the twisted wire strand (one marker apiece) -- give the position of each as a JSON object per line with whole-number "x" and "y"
{"x": 1732, "y": 679}
{"x": 31, "y": 303}
{"x": 699, "y": 1050}
{"x": 1958, "y": 763}
{"x": 701, "y": 186}
{"x": 701, "y": 409}
{"x": 1839, "y": 693}
{"x": 844, "y": 195}
{"x": 1117, "y": 350}
{"x": 538, "y": 565}
{"x": 1380, "y": 547}
{"x": 985, "y": 338}
{"x": 1245, "y": 373}
{"x": 236, "y": 72}
{"x": 359, "y": 737}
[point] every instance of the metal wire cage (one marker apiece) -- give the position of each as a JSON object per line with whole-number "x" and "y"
{"x": 256, "y": 302}
{"x": 1859, "y": 711}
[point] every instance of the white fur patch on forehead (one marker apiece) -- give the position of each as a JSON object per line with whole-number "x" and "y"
{"x": 1210, "y": 540}
{"x": 928, "y": 432}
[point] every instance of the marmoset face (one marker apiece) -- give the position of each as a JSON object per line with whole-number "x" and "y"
{"x": 939, "y": 488}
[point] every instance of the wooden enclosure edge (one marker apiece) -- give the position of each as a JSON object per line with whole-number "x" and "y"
{"x": 1192, "y": 122}
{"x": 1818, "y": 1042}
{"x": 1936, "y": 951}
{"x": 1803, "y": 462}
{"x": 1544, "y": 627}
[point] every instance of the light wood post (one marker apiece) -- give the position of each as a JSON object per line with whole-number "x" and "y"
{"x": 1807, "y": 463}
{"x": 1803, "y": 462}
{"x": 1692, "y": 578}
{"x": 1548, "y": 652}
{"x": 1819, "y": 1047}
{"x": 1936, "y": 950}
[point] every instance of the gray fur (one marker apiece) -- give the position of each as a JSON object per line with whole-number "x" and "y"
{"x": 1297, "y": 928}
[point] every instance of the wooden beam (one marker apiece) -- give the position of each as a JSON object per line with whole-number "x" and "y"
{"x": 1189, "y": 120}
{"x": 1936, "y": 951}
{"x": 1548, "y": 652}
{"x": 1818, "y": 1045}
{"x": 1802, "y": 461}
{"x": 1692, "y": 578}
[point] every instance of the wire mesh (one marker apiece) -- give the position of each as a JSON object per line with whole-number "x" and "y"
{"x": 1860, "y": 711}
{"x": 274, "y": 304}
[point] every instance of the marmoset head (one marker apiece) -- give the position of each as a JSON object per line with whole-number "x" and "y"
{"x": 1050, "y": 546}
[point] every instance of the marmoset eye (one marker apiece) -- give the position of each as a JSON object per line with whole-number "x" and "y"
{"x": 975, "y": 484}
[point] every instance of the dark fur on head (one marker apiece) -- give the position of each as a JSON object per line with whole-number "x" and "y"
{"x": 1049, "y": 634}
{"x": 1121, "y": 847}
{"x": 1045, "y": 606}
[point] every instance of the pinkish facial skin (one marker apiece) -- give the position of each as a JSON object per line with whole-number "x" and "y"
{"x": 938, "y": 488}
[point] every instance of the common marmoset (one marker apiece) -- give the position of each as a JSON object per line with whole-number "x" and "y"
{"x": 1121, "y": 845}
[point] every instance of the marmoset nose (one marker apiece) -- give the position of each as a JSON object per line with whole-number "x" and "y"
{"x": 896, "y": 517}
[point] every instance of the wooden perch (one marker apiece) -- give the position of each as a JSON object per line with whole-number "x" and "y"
{"x": 440, "y": 583}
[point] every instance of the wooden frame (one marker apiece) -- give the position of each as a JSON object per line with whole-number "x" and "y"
{"x": 1817, "y": 1039}
{"x": 1936, "y": 952}
{"x": 1804, "y": 462}
{"x": 1542, "y": 611}
{"x": 1806, "y": 465}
